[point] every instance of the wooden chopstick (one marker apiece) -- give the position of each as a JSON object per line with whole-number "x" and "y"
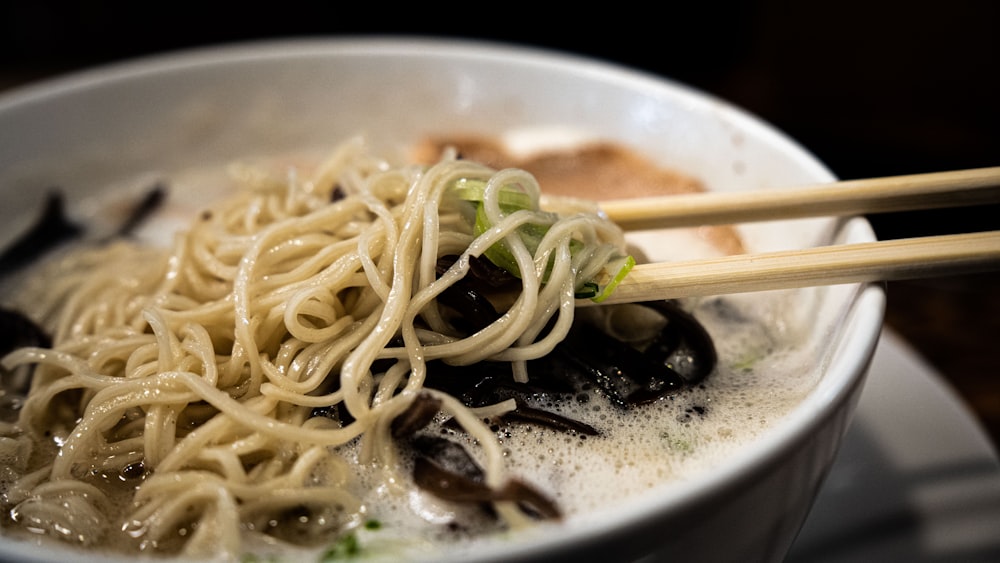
{"x": 850, "y": 197}
{"x": 828, "y": 265}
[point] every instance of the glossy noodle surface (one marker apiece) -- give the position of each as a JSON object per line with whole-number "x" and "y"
{"x": 307, "y": 357}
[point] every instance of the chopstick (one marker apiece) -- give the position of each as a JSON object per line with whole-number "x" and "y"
{"x": 912, "y": 258}
{"x": 850, "y": 197}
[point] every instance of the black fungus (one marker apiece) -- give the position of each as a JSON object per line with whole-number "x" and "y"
{"x": 484, "y": 275}
{"x": 680, "y": 356}
{"x": 16, "y": 331}
{"x": 524, "y": 413}
{"x": 418, "y": 415}
{"x": 529, "y": 499}
{"x": 446, "y": 470}
{"x": 134, "y": 470}
{"x": 148, "y": 205}
{"x": 51, "y": 229}
{"x": 488, "y": 383}
{"x": 448, "y": 456}
{"x": 449, "y": 485}
{"x": 54, "y": 227}
{"x": 337, "y": 194}
{"x": 476, "y": 311}
{"x": 623, "y": 373}
{"x": 684, "y": 345}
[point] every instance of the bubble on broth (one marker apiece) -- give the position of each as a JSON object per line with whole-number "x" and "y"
{"x": 764, "y": 370}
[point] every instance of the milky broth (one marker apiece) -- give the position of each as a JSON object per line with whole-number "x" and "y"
{"x": 764, "y": 370}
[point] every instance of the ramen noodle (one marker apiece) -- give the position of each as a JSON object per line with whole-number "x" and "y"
{"x": 244, "y": 386}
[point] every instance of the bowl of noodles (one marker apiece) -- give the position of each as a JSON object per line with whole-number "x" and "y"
{"x": 331, "y": 299}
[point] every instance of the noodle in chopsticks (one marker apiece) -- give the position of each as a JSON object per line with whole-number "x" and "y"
{"x": 202, "y": 366}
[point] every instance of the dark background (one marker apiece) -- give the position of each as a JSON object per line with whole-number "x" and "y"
{"x": 872, "y": 88}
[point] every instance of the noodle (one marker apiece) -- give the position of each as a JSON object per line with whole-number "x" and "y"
{"x": 204, "y": 364}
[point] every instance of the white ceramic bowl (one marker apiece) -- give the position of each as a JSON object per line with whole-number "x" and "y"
{"x": 87, "y": 130}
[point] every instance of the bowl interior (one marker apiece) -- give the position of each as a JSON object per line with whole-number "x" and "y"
{"x": 86, "y": 131}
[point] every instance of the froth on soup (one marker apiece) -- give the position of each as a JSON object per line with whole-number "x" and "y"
{"x": 317, "y": 363}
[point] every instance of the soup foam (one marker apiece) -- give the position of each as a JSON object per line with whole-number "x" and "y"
{"x": 764, "y": 370}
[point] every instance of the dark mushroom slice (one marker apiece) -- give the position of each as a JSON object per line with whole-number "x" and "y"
{"x": 17, "y": 331}
{"x": 625, "y": 375}
{"x": 542, "y": 417}
{"x": 684, "y": 344}
{"x": 474, "y": 312}
{"x": 447, "y": 471}
{"x": 142, "y": 210}
{"x": 52, "y": 228}
{"x": 530, "y": 499}
{"x": 417, "y": 416}
{"x": 488, "y": 383}
{"x": 483, "y": 274}
{"x": 337, "y": 193}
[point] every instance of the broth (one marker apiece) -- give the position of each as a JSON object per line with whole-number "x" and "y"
{"x": 764, "y": 370}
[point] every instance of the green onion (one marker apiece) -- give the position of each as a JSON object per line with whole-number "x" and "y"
{"x": 511, "y": 197}
{"x": 514, "y": 198}
{"x": 500, "y": 254}
{"x": 346, "y": 547}
{"x": 617, "y": 269}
